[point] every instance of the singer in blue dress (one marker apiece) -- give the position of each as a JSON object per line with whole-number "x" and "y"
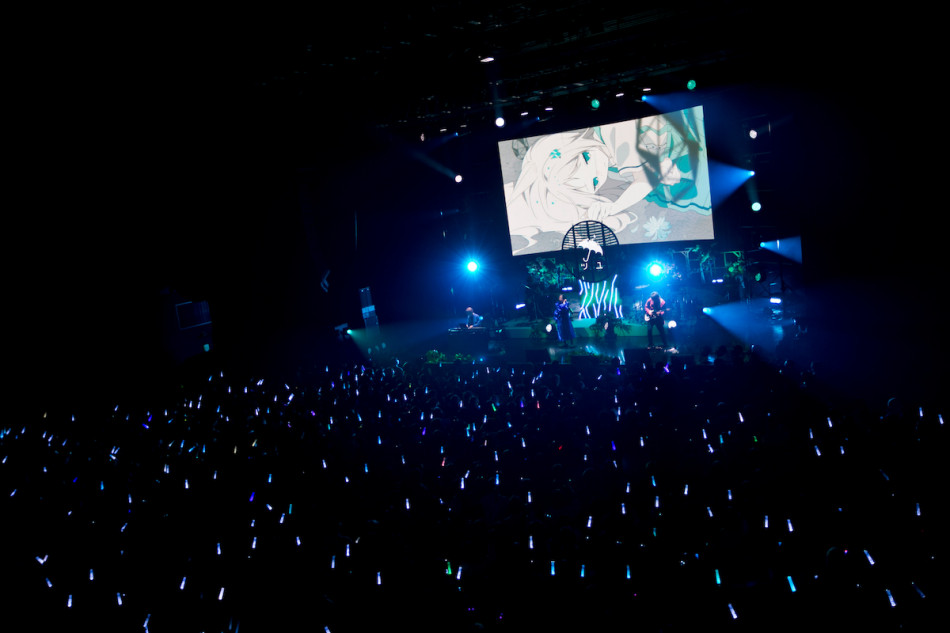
{"x": 562, "y": 321}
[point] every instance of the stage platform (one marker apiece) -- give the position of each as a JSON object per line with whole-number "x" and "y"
{"x": 530, "y": 341}
{"x": 625, "y": 343}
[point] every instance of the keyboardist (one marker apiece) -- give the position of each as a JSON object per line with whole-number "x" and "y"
{"x": 472, "y": 320}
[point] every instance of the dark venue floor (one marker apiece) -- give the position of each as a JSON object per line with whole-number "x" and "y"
{"x": 729, "y": 492}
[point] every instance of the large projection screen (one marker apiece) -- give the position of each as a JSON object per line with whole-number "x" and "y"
{"x": 647, "y": 180}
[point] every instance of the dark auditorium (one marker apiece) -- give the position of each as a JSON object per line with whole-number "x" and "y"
{"x": 462, "y": 317}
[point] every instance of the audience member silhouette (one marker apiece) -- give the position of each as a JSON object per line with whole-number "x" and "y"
{"x": 477, "y": 497}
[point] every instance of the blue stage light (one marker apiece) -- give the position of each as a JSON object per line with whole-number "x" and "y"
{"x": 655, "y": 269}
{"x": 472, "y": 266}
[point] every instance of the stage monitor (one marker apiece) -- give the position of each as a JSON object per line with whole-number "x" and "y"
{"x": 646, "y": 180}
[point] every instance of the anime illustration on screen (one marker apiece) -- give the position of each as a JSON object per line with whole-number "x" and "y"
{"x": 646, "y": 180}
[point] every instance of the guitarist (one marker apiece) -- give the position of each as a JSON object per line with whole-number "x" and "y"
{"x": 655, "y": 308}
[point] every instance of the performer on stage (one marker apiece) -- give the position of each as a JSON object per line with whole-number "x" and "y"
{"x": 473, "y": 319}
{"x": 562, "y": 320}
{"x": 655, "y": 308}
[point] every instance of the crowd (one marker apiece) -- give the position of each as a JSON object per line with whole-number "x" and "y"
{"x": 725, "y": 495}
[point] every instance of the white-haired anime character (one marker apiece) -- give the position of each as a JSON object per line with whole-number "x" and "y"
{"x": 600, "y": 173}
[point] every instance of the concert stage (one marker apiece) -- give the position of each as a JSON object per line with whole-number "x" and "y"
{"x": 524, "y": 341}
{"x": 520, "y": 341}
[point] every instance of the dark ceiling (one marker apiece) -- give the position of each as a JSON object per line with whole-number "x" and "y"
{"x": 411, "y": 67}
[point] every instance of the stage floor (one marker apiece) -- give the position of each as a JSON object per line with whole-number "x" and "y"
{"x": 525, "y": 341}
